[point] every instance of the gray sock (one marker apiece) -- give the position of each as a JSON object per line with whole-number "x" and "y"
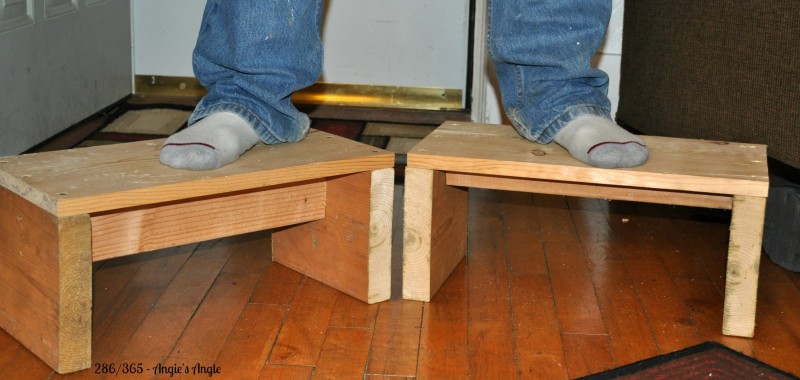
{"x": 599, "y": 142}
{"x": 214, "y": 141}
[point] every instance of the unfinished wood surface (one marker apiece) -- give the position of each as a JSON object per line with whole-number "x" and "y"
{"x": 744, "y": 256}
{"x": 102, "y": 178}
{"x": 46, "y": 283}
{"x": 622, "y": 193}
{"x": 674, "y": 164}
{"x": 490, "y": 339}
{"x": 679, "y": 172}
{"x": 443, "y": 343}
{"x": 338, "y": 249}
{"x": 395, "y": 343}
{"x": 627, "y": 263}
{"x": 434, "y": 232}
{"x": 381, "y": 216}
{"x": 75, "y": 294}
{"x": 132, "y": 231}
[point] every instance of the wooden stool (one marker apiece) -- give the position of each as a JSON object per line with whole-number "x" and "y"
{"x": 680, "y": 172}
{"x": 61, "y": 211}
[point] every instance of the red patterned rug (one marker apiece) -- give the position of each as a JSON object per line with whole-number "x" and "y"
{"x": 709, "y": 360}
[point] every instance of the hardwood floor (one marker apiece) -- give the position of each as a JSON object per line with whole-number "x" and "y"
{"x": 552, "y": 288}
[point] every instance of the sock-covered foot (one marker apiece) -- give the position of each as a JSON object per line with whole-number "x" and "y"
{"x": 599, "y": 142}
{"x": 214, "y": 141}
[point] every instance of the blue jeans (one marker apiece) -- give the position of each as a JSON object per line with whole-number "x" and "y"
{"x": 541, "y": 51}
{"x": 252, "y": 55}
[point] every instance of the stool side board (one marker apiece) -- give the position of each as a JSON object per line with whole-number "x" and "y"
{"x": 349, "y": 249}
{"x": 45, "y": 282}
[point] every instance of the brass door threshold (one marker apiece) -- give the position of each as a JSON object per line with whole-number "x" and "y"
{"x": 321, "y": 93}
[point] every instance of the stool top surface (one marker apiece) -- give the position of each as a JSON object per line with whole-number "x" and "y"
{"x": 111, "y": 177}
{"x": 703, "y": 166}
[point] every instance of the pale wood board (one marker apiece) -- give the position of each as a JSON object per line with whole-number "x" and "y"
{"x": 434, "y": 232}
{"x": 381, "y": 214}
{"x": 333, "y": 250}
{"x": 591, "y": 191}
{"x": 139, "y": 230}
{"x": 744, "y": 258}
{"x": 674, "y": 164}
{"x": 45, "y": 282}
{"x": 75, "y": 294}
{"x": 102, "y": 178}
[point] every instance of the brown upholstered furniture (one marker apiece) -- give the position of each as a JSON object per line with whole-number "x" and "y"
{"x": 720, "y": 70}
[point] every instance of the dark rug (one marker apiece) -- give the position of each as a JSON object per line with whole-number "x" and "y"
{"x": 135, "y": 122}
{"x": 709, "y": 360}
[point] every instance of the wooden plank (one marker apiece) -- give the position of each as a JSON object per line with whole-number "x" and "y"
{"x": 250, "y": 253}
{"x": 586, "y": 354}
{"x": 113, "y": 333}
{"x": 667, "y": 314}
{"x": 782, "y": 300}
{"x": 674, "y": 164}
{"x": 491, "y": 339}
{"x": 395, "y": 341}
{"x": 431, "y": 208}
{"x": 176, "y": 306}
{"x": 277, "y": 285}
{"x": 25, "y": 365}
{"x": 628, "y": 328}
{"x": 557, "y": 224}
{"x": 132, "y": 231}
{"x": 344, "y": 354}
{"x": 356, "y": 235}
{"x": 538, "y": 349}
{"x": 29, "y": 287}
{"x": 577, "y": 306}
{"x": 8, "y": 348}
{"x": 284, "y": 372}
{"x": 381, "y": 217}
{"x": 704, "y": 303}
{"x": 352, "y": 313}
{"x": 624, "y": 193}
{"x": 206, "y": 333}
{"x": 102, "y": 178}
{"x": 46, "y": 282}
{"x": 443, "y": 341}
{"x": 744, "y": 256}
{"x": 75, "y": 294}
{"x": 251, "y": 340}
{"x": 775, "y": 343}
{"x": 303, "y": 333}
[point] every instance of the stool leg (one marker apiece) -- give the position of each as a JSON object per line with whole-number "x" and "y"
{"x": 350, "y": 249}
{"x": 744, "y": 257}
{"x": 46, "y": 283}
{"x": 434, "y": 232}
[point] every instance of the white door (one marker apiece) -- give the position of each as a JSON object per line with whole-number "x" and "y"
{"x": 406, "y": 43}
{"x": 60, "y": 62}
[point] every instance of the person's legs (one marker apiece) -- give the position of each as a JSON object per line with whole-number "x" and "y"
{"x": 251, "y": 55}
{"x": 541, "y": 51}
